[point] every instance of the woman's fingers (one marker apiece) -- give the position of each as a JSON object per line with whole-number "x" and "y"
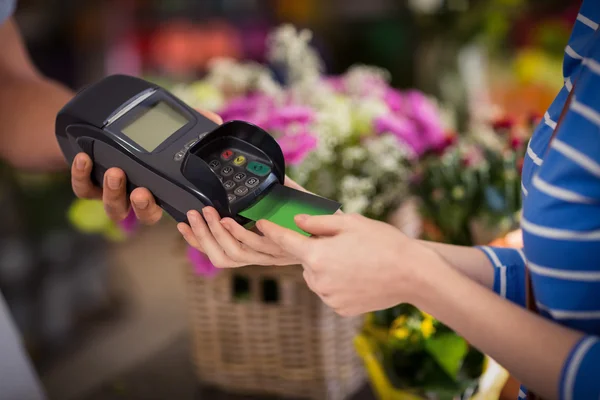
{"x": 206, "y": 240}
{"x": 252, "y": 239}
{"x": 234, "y": 249}
{"x": 114, "y": 194}
{"x": 145, "y": 207}
{"x": 188, "y": 235}
{"x": 80, "y": 178}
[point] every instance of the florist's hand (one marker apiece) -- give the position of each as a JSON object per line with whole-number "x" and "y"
{"x": 355, "y": 265}
{"x": 113, "y": 193}
{"x": 228, "y": 244}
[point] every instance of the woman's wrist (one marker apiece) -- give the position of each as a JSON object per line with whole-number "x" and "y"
{"x": 428, "y": 271}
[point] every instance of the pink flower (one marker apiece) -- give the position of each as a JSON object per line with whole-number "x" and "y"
{"x": 248, "y": 108}
{"x": 421, "y": 110}
{"x": 336, "y": 83}
{"x": 393, "y": 99}
{"x": 130, "y": 223}
{"x": 201, "y": 263}
{"x": 403, "y": 128}
{"x": 448, "y": 142}
{"x": 295, "y": 147}
{"x": 282, "y": 117}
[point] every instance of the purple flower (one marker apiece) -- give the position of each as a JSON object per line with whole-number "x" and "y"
{"x": 250, "y": 108}
{"x": 201, "y": 263}
{"x": 421, "y": 110}
{"x": 130, "y": 223}
{"x": 394, "y": 100}
{"x": 282, "y": 117}
{"x": 402, "y": 128}
{"x": 296, "y": 146}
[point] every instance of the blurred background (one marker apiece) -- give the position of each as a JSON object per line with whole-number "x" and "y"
{"x": 107, "y": 313}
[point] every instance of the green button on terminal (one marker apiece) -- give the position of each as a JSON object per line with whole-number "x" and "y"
{"x": 258, "y": 168}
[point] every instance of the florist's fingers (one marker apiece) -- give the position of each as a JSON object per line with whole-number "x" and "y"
{"x": 211, "y": 115}
{"x": 252, "y": 239}
{"x": 322, "y": 225}
{"x": 290, "y": 241}
{"x": 114, "y": 195}
{"x": 235, "y": 250}
{"x": 205, "y": 238}
{"x": 144, "y": 206}
{"x": 80, "y": 178}
{"x": 188, "y": 235}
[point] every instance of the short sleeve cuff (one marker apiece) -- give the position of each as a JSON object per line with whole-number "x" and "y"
{"x": 579, "y": 377}
{"x": 509, "y": 272}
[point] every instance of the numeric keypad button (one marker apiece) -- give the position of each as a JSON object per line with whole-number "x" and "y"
{"x": 240, "y": 176}
{"x": 241, "y": 191}
{"x": 226, "y": 171}
{"x": 229, "y": 185}
{"x": 252, "y": 182}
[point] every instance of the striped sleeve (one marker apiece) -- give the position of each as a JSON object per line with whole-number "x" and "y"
{"x": 580, "y": 372}
{"x": 561, "y": 217}
{"x": 581, "y": 37}
{"x": 509, "y": 272}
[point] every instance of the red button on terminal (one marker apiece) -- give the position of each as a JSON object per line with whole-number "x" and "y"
{"x": 227, "y": 154}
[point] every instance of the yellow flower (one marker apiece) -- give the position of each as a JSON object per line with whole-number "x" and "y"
{"x": 427, "y": 328}
{"x": 398, "y": 328}
{"x": 398, "y": 322}
{"x": 426, "y": 316}
{"x": 400, "y": 333}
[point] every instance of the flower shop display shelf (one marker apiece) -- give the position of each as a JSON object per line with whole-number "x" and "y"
{"x": 260, "y": 330}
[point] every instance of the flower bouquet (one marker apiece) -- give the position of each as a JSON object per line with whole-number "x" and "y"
{"x": 351, "y": 138}
{"x": 470, "y": 191}
{"x": 420, "y": 357}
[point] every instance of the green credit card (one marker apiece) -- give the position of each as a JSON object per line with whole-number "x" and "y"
{"x": 282, "y": 204}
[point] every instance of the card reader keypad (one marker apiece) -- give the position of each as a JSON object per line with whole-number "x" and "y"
{"x": 239, "y": 174}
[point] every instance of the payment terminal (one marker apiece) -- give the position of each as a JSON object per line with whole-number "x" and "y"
{"x": 186, "y": 160}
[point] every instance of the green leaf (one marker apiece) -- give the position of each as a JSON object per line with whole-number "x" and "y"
{"x": 448, "y": 350}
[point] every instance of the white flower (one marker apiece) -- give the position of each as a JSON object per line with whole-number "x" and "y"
{"x": 365, "y": 111}
{"x": 231, "y": 76}
{"x": 290, "y": 48}
{"x": 352, "y": 186}
{"x": 352, "y": 156}
{"x": 359, "y": 80}
{"x": 425, "y": 6}
{"x": 355, "y": 205}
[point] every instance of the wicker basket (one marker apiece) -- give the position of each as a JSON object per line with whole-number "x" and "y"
{"x": 290, "y": 345}
{"x": 294, "y": 346}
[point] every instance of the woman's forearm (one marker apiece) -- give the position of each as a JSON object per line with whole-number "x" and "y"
{"x": 532, "y": 348}
{"x": 28, "y": 108}
{"x": 468, "y": 260}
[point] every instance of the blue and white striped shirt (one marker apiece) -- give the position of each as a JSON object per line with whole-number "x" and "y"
{"x": 561, "y": 213}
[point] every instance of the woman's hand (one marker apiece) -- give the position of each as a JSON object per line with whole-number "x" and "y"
{"x": 228, "y": 244}
{"x": 113, "y": 193}
{"x": 356, "y": 265}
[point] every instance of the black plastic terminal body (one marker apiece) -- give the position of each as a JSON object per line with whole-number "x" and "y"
{"x": 177, "y": 171}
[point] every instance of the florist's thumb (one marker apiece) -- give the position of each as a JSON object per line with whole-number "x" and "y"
{"x": 290, "y": 241}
